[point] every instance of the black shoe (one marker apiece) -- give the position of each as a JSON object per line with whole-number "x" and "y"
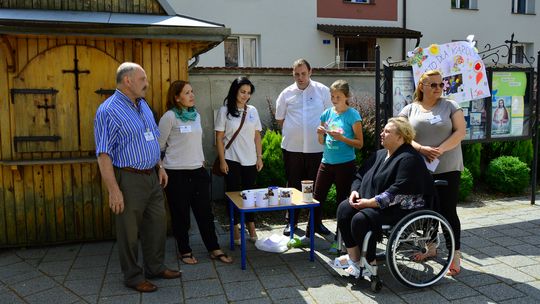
{"x": 380, "y": 256}
{"x": 287, "y": 230}
{"x": 320, "y": 229}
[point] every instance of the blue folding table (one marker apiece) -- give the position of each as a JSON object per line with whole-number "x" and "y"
{"x": 235, "y": 202}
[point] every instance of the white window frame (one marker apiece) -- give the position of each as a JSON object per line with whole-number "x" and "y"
{"x": 529, "y": 7}
{"x": 473, "y": 4}
{"x": 240, "y": 42}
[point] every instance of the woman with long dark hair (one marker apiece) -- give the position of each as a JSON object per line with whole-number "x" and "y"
{"x": 243, "y": 159}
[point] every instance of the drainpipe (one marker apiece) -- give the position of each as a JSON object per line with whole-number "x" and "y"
{"x": 194, "y": 63}
{"x": 403, "y": 40}
{"x": 338, "y": 58}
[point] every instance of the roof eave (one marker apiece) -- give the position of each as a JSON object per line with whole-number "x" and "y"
{"x": 216, "y": 34}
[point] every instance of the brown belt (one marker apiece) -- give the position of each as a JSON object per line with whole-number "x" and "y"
{"x": 138, "y": 171}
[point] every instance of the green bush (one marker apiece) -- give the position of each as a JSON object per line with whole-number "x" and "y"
{"x": 330, "y": 205}
{"x": 365, "y": 104}
{"x": 472, "y": 158}
{"x": 521, "y": 149}
{"x": 508, "y": 174}
{"x": 466, "y": 184}
{"x": 273, "y": 172}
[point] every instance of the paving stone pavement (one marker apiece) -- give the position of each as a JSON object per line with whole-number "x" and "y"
{"x": 501, "y": 264}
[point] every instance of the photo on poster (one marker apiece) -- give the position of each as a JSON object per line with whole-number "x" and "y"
{"x": 452, "y": 84}
{"x": 403, "y": 90}
{"x": 478, "y": 132}
{"x": 477, "y": 105}
{"x": 501, "y": 110}
{"x": 475, "y": 118}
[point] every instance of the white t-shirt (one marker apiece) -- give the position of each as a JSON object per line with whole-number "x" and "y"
{"x": 181, "y": 141}
{"x": 301, "y": 111}
{"x": 243, "y": 148}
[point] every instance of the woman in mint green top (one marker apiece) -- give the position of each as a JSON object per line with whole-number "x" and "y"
{"x": 340, "y": 132}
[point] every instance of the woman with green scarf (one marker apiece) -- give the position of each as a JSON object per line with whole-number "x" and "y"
{"x": 181, "y": 143}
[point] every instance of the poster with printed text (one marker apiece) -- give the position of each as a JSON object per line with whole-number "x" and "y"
{"x": 508, "y": 109}
{"x": 403, "y": 90}
{"x": 463, "y": 71}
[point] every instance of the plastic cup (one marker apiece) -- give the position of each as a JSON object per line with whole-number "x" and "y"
{"x": 248, "y": 198}
{"x": 261, "y": 198}
{"x": 307, "y": 191}
{"x": 285, "y": 196}
{"x": 273, "y": 196}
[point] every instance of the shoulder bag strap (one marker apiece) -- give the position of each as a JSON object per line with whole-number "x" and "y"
{"x": 237, "y": 131}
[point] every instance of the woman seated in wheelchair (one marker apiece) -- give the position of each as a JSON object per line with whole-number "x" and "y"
{"x": 391, "y": 184}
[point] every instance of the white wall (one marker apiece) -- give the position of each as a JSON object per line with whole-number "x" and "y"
{"x": 288, "y": 28}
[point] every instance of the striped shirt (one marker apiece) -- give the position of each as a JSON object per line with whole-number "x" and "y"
{"x": 119, "y": 131}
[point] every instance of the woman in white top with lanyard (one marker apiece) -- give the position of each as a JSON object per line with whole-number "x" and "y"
{"x": 189, "y": 182}
{"x": 243, "y": 159}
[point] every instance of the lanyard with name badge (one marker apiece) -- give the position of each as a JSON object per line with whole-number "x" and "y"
{"x": 435, "y": 119}
{"x": 148, "y": 135}
{"x": 185, "y": 129}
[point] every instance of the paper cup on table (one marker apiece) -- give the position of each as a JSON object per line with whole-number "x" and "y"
{"x": 285, "y": 196}
{"x": 261, "y": 199}
{"x": 248, "y": 198}
{"x": 307, "y": 191}
{"x": 273, "y": 196}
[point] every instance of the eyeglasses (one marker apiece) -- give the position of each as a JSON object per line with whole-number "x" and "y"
{"x": 434, "y": 85}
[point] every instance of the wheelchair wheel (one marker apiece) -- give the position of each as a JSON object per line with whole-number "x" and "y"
{"x": 412, "y": 235}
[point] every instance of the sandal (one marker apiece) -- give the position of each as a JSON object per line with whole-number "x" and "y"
{"x": 356, "y": 271}
{"x": 338, "y": 262}
{"x": 222, "y": 257}
{"x": 187, "y": 258}
{"x": 425, "y": 254}
{"x": 455, "y": 267}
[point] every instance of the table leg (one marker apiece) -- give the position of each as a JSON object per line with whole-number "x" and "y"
{"x": 311, "y": 234}
{"x": 243, "y": 239}
{"x": 291, "y": 222}
{"x": 231, "y": 224}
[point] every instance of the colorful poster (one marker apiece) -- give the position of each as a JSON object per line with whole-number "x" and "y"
{"x": 403, "y": 90}
{"x": 508, "y": 106}
{"x": 475, "y": 114}
{"x": 464, "y": 73}
{"x": 500, "y": 122}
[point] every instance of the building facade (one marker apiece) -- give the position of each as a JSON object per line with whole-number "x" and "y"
{"x": 331, "y": 33}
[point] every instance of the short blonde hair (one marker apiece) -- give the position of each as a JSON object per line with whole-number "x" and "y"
{"x": 403, "y": 128}
{"x": 419, "y": 95}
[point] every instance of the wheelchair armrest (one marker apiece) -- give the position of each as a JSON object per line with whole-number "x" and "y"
{"x": 440, "y": 182}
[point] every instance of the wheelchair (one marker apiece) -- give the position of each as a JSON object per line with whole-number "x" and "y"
{"x": 413, "y": 234}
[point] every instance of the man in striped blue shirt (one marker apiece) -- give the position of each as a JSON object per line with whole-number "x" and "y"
{"x": 128, "y": 155}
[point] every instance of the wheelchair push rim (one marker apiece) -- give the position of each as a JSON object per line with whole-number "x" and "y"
{"x": 415, "y": 234}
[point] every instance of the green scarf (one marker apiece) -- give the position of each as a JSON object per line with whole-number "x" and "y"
{"x": 185, "y": 115}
